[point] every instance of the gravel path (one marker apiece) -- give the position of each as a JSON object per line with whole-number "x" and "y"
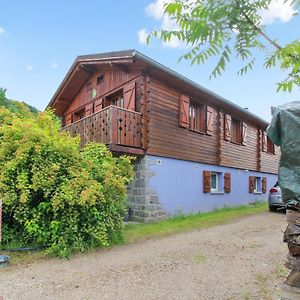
{"x": 241, "y": 260}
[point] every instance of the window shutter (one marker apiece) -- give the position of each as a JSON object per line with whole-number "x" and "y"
{"x": 184, "y": 106}
{"x": 129, "y": 96}
{"x": 227, "y": 127}
{"x": 264, "y": 141}
{"x": 209, "y": 120}
{"x": 264, "y": 184}
{"x": 99, "y": 104}
{"x": 251, "y": 184}
{"x": 206, "y": 181}
{"x": 68, "y": 119}
{"x": 88, "y": 109}
{"x": 227, "y": 182}
{"x": 244, "y": 133}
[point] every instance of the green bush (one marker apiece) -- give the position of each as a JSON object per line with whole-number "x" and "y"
{"x": 54, "y": 193}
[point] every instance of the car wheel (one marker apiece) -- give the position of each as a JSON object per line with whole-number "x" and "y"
{"x": 272, "y": 208}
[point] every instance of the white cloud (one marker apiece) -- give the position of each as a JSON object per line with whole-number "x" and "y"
{"x": 174, "y": 43}
{"x": 142, "y": 36}
{"x": 2, "y": 30}
{"x": 29, "y": 67}
{"x": 54, "y": 65}
{"x": 156, "y": 11}
{"x": 279, "y": 10}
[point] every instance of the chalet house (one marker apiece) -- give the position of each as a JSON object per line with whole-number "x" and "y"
{"x": 195, "y": 150}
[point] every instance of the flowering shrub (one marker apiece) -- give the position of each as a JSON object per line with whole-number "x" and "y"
{"x": 54, "y": 193}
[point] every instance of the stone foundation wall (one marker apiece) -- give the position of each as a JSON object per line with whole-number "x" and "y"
{"x": 143, "y": 202}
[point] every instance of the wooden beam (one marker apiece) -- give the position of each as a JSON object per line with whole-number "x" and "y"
{"x": 121, "y": 67}
{"x": 87, "y": 68}
{"x": 127, "y": 150}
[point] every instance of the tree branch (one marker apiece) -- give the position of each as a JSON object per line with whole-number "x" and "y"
{"x": 258, "y": 29}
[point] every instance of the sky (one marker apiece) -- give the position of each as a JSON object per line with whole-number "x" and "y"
{"x": 40, "y": 39}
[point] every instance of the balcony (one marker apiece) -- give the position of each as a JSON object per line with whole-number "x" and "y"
{"x": 118, "y": 128}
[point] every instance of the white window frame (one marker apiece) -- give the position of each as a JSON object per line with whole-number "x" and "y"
{"x": 257, "y": 184}
{"x": 216, "y": 174}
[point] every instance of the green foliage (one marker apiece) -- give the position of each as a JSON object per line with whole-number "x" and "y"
{"x": 229, "y": 30}
{"x": 19, "y": 108}
{"x": 54, "y": 193}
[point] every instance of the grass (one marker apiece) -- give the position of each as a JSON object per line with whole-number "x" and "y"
{"x": 139, "y": 232}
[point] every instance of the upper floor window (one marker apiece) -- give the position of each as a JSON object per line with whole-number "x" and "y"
{"x": 100, "y": 78}
{"x": 270, "y": 146}
{"x": 197, "y": 117}
{"x": 267, "y": 145}
{"x": 236, "y": 131}
{"x": 194, "y": 116}
{"x": 116, "y": 99}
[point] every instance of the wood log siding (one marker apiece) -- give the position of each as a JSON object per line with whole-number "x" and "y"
{"x": 166, "y": 137}
{"x": 237, "y": 155}
{"x": 113, "y": 79}
{"x": 111, "y": 125}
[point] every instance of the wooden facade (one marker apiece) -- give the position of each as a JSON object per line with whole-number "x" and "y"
{"x": 135, "y": 105}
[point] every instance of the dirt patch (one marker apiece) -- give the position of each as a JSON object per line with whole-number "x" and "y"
{"x": 241, "y": 260}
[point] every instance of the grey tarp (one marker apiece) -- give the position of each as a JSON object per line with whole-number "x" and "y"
{"x": 284, "y": 131}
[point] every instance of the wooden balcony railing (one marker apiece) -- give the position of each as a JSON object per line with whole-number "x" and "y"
{"x": 111, "y": 126}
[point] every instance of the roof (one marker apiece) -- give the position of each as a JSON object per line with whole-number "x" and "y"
{"x": 134, "y": 56}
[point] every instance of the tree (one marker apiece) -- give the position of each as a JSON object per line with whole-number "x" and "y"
{"x": 227, "y": 29}
{"x": 55, "y": 193}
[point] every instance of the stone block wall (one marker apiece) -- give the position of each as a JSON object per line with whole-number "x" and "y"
{"x": 143, "y": 202}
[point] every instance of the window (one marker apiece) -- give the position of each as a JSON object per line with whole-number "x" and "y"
{"x": 78, "y": 115}
{"x": 197, "y": 117}
{"x": 257, "y": 184}
{"x": 116, "y": 99}
{"x": 100, "y": 79}
{"x": 236, "y": 131}
{"x": 270, "y": 146}
{"x": 214, "y": 182}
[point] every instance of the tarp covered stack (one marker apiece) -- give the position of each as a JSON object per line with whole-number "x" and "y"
{"x": 284, "y": 131}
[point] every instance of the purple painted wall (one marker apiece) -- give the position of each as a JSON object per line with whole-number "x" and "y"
{"x": 179, "y": 186}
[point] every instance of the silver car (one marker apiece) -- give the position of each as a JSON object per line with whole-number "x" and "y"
{"x": 275, "y": 199}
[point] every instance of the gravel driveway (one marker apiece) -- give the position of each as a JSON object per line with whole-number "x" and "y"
{"x": 241, "y": 260}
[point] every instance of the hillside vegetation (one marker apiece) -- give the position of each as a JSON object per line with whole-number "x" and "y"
{"x": 15, "y": 106}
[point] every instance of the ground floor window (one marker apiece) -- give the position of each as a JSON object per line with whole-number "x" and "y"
{"x": 216, "y": 182}
{"x": 257, "y": 184}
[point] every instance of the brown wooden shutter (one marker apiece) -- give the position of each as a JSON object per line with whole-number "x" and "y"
{"x": 206, "y": 181}
{"x": 68, "y": 119}
{"x": 227, "y": 127}
{"x": 264, "y": 184}
{"x": 209, "y": 120}
{"x": 88, "y": 109}
{"x": 227, "y": 182}
{"x": 98, "y": 104}
{"x": 264, "y": 142}
{"x": 129, "y": 96}
{"x": 244, "y": 133}
{"x": 251, "y": 184}
{"x": 184, "y": 106}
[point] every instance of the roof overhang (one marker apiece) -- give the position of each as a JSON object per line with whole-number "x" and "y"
{"x": 85, "y": 65}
